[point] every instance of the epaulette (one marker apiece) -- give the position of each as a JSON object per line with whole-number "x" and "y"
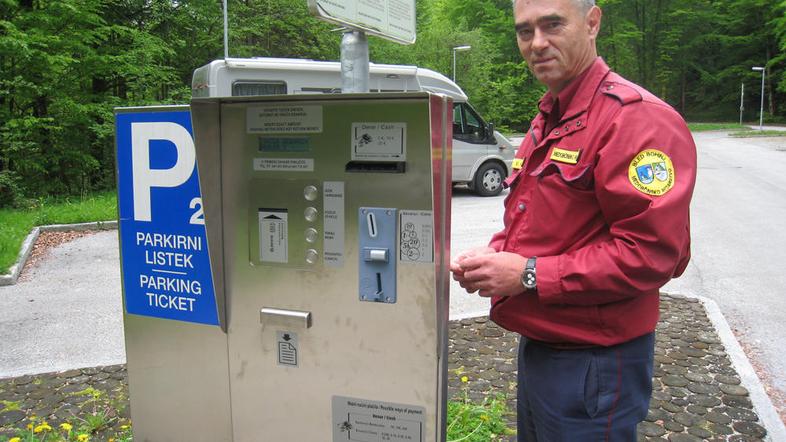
{"x": 626, "y": 94}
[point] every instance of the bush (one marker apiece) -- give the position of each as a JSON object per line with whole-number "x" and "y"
{"x": 10, "y": 191}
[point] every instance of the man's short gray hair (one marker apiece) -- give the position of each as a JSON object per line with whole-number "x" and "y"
{"x": 584, "y": 5}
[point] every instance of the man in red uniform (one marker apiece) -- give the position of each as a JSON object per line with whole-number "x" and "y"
{"x": 596, "y": 223}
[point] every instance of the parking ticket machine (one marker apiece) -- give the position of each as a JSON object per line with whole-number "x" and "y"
{"x": 328, "y": 222}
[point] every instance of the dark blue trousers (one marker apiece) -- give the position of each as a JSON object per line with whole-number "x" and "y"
{"x": 584, "y": 395}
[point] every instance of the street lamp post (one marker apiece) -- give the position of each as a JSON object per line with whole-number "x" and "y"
{"x": 761, "y": 112}
{"x": 458, "y": 49}
{"x": 742, "y": 100}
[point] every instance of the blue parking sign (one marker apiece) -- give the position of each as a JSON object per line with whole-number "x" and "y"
{"x": 163, "y": 245}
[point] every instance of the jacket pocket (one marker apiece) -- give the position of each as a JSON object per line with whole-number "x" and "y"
{"x": 575, "y": 176}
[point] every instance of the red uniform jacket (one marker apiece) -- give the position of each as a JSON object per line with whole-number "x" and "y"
{"x": 602, "y": 201}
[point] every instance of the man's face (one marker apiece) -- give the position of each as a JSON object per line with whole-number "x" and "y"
{"x": 556, "y": 38}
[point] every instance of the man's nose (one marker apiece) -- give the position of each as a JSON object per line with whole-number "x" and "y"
{"x": 540, "y": 40}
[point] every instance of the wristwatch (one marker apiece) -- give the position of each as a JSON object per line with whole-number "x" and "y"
{"x": 528, "y": 279}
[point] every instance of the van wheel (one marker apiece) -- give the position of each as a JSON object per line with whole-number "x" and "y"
{"x": 488, "y": 179}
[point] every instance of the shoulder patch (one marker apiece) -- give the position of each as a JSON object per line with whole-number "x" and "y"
{"x": 622, "y": 92}
{"x": 652, "y": 172}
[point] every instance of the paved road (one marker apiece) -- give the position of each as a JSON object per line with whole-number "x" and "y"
{"x": 67, "y": 312}
{"x": 739, "y": 246}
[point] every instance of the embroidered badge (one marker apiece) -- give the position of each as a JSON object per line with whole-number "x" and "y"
{"x": 518, "y": 163}
{"x": 565, "y": 156}
{"x": 652, "y": 172}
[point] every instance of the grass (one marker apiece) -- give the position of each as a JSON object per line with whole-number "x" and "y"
{"x": 15, "y": 224}
{"x": 99, "y": 418}
{"x": 759, "y": 133}
{"x": 469, "y": 421}
{"x": 704, "y": 127}
{"x": 484, "y": 422}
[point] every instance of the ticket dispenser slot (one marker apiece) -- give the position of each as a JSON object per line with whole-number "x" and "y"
{"x": 377, "y": 264}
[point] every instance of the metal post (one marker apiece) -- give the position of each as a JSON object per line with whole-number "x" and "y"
{"x": 457, "y": 49}
{"x": 454, "y": 65}
{"x": 226, "y": 32}
{"x": 742, "y": 97}
{"x": 761, "y": 112}
{"x": 354, "y": 62}
{"x": 761, "y": 69}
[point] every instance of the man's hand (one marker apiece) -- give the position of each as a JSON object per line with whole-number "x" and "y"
{"x": 488, "y": 272}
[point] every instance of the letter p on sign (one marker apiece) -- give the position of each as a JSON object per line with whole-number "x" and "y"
{"x": 143, "y": 176}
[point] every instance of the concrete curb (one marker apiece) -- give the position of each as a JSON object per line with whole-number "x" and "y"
{"x": 776, "y": 431}
{"x": 11, "y": 277}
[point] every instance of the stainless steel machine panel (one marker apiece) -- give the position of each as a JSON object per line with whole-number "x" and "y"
{"x": 296, "y": 180}
{"x": 177, "y": 370}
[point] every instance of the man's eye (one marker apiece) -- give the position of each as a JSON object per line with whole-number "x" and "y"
{"x": 525, "y": 34}
{"x": 554, "y": 25}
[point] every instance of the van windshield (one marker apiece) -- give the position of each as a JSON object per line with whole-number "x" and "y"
{"x": 467, "y": 125}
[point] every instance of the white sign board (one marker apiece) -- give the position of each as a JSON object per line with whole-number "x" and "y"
{"x": 390, "y": 19}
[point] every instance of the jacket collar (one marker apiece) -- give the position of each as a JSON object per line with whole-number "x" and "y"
{"x": 577, "y": 96}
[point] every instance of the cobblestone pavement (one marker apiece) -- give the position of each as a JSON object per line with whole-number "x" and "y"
{"x": 696, "y": 391}
{"x": 697, "y": 394}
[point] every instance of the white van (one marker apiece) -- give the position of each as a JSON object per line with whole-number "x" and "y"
{"x": 482, "y": 157}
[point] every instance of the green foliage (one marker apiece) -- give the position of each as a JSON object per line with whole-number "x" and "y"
{"x": 97, "y": 419}
{"x": 696, "y": 54}
{"x": 470, "y": 422}
{"x": 15, "y": 225}
{"x": 704, "y": 127}
{"x": 759, "y": 133}
{"x": 10, "y": 191}
{"x": 10, "y": 405}
{"x": 65, "y": 64}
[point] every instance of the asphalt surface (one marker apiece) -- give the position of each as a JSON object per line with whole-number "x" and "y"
{"x": 739, "y": 246}
{"x": 66, "y": 311}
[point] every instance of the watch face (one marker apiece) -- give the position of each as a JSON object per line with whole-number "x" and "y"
{"x": 528, "y": 279}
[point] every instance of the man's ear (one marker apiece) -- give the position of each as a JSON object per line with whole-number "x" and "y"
{"x": 592, "y": 20}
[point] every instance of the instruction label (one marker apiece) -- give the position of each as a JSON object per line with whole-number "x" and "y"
{"x": 284, "y": 164}
{"x": 379, "y": 141}
{"x": 284, "y": 119}
{"x": 416, "y": 236}
{"x": 333, "y": 206}
{"x": 372, "y": 421}
{"x": 273, "y": 235}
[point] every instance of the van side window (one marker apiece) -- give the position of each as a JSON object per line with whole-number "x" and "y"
{"x": 467, "y": 126}
{"x": 248, "y": 88}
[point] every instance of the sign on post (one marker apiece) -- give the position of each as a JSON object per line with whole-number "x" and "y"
{"x": 164, "y": 255}
{"x": 392, "y": 19}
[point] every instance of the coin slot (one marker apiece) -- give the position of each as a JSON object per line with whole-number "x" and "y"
{"x": 372, "y": 224}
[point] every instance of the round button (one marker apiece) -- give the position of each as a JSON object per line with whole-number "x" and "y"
{"x": 312, "y": 256}
{"x": 522, "y": 207}
{"x": 310, "y": 193}
{"x": 310, "y": 214}
{"x": 311, "y": 235}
